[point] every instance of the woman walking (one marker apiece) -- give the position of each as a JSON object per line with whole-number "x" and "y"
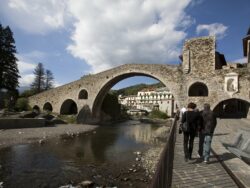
{"x": 190, "y": 121}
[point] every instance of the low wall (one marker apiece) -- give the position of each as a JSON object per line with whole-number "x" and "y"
{"x": 21, "y": 123}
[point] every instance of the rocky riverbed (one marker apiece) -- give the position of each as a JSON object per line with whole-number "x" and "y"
{"x": 119, "y": 155}
{"x": 137, "y": 172}
{"x": 9, "y": 137}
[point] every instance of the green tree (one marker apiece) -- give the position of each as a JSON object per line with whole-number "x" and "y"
{"x": 27, "y": 93}
{"x": 49, "y": 79}
{"x": 10, "y": 98}
{"x": 38, "y": 84}
{"x": 9, "y": 73}
{"x": 22, "y": 104}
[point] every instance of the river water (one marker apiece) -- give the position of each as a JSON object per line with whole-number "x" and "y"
{"x": 109, "y": 156}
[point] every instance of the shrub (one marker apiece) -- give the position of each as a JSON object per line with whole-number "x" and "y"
{"x": 68, "y": 118}
{"x": 22, "y": 104}
{"x": 158, "y": 114}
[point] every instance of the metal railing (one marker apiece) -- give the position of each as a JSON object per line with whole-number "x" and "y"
{"x": 163, "y": 175}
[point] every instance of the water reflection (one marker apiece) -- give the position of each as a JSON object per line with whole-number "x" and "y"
{"x": 60, "y": 160}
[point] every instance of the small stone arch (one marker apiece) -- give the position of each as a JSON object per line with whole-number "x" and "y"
{"x": 47, "y": 107}
{"x": 198, "y": 89}
{"x": 68, "y": 107}
{"x": 36, "y": 109}
{"x": 83, "y": 94}
{"x": 232, "y": 108}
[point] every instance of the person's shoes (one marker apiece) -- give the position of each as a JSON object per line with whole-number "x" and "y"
{"x": 199, "y": 156}
{"x": 190, "y": 156}
{"x": 205, "y": 161}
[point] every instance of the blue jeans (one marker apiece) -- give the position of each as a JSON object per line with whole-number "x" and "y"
{"x": 207, "y": 147}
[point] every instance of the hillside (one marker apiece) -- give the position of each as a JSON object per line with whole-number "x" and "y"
{"x": 132, "y": 90}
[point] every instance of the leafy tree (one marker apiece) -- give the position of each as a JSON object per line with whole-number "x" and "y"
{"x": 10, "y": 98}
{"x": 111, "y": 106}
{"x": 27, "y": 93}
{"x": 49, "y": 79}
{"x": 38, "y": 84}
{"x": 22, "y": 104}
{"x": 9, "y": 73}
{"x": 158, "y": 114}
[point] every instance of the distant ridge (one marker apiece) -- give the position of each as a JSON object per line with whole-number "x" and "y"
{"x": 132, "y": 90}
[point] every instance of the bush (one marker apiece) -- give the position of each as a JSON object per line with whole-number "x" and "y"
{"x": 68, "y": 118}
{"x": 158, "y": 114}
{"x": 22, "y": 104}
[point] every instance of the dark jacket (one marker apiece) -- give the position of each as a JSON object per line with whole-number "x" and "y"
{"x": 208, "y": 122}
{"x": 192, "y": 119}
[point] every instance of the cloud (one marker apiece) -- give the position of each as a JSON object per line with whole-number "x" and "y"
{"x": 38, "y": 17}
{"x": 26, "y": 68}
{"x": 57, "y": 84}
{"x": 108, "y": 33}
{"x": 26, "y": 80}
{"x": 241, "y": 60}
{"x": 111, "y": 33}
{"x": 217, "y": 29}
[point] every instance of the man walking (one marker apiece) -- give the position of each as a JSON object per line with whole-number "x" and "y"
{"x": 209, "y": 124}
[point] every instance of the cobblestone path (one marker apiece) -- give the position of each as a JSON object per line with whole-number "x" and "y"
{"x": 195, "y": 173}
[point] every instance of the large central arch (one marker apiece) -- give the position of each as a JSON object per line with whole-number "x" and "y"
{"x": 96, "y": 108}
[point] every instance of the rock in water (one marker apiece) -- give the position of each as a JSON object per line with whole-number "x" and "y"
{"x": 86, "y": 183}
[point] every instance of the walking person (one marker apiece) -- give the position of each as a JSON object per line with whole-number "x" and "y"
{"x": 190, "y": 121}
{"x": 201, "y": 140}
{"x": 209, "y": 123}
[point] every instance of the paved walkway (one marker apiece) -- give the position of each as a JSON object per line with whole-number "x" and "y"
{"x": 225, "y": 133}
{"x": 195, "y": 173}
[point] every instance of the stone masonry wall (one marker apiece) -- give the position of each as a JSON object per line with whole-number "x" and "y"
{"x": 198, "y": 66}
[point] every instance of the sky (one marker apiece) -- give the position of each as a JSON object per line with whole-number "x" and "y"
{"x": 73, "y": 38}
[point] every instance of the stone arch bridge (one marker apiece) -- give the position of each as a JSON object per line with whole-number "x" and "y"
{"x": 203, "y": 76}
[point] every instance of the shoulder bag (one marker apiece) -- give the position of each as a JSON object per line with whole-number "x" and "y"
{"x": 185, "y": 126}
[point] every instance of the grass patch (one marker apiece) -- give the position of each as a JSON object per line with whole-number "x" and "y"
{"x": 158, "y": 114}
{"x": 68, "y": 118}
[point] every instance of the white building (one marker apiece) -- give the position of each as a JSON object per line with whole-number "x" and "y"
{"x": 149, "y": 99}
{"x": 129, "y": 101}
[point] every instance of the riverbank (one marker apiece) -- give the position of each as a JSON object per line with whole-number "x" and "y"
{"x": 10, "y": 137}
{"x": 122, "y": 155}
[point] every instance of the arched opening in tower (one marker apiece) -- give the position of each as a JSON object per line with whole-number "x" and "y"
{"x": 69, "y": 107}
{"x": 198, "y": 89}
{"x": 232, "y": 108}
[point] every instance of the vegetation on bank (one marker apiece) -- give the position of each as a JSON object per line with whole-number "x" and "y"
{"x": 68, "y": 118}
{"x": 158, "y": 114}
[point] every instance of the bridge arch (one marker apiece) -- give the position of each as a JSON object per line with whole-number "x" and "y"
{"x": 68, "y": 107}
{"x": 36, "y": 108}
{"x": 232, "y": 108}
{"x": 47, "y": 107}
{"x": 113, "y": 79}
{"x": 83, "y": 94}
{"x": 198, "y": 89}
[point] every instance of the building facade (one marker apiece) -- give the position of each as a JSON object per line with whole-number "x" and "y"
{"x": 148, "y": 99}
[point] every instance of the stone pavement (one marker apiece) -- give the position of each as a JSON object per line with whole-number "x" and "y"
{"x": 195, "y": 173}
{"x": 225, "y": 133}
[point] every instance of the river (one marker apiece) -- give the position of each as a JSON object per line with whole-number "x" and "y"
{"x": 112, "y": 155}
